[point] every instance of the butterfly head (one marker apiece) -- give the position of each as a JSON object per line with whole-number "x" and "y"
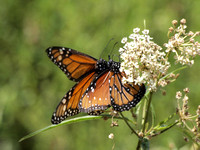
{"x": 101, "y": 65}
{"x": 114, "y": 66}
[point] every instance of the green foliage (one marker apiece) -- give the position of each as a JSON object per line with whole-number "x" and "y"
{"x": 31, "y": 86}
{"x": 69, "y": 121}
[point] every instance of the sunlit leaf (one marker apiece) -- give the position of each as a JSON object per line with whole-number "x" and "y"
{"x": 70, "y": 121}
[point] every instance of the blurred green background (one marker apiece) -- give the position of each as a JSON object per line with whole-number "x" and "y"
{"x": 31, "y": 86}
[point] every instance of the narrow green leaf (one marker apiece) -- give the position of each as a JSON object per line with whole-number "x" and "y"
{"x": 163, "y": 126}
{"x": 166, "y": 120}
{"x": 74, "y": 120}
{"x": 153, "y": 114}
{"x": 70, "y": 121}
{"x": 178, "y": 69}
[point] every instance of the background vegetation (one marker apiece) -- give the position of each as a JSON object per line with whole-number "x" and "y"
{"x": 31, "y": 85}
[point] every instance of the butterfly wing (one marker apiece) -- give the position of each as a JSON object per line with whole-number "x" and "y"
{"x": 68, "y": 106}
{"x": 97, "y": 97}
{"x": 124, "y": 96}
{"x": 108, "y": 90}
{"x": 74, "y": 64}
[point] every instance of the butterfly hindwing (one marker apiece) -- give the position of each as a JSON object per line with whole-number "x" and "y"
{"x": 68, "y": 106}
{"x": 124, "y": 96}
{"x": 74, "y": 64}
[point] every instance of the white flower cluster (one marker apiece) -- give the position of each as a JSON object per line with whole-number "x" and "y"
{"x": 142, "y": 59}
{"x": 183, "y": 44}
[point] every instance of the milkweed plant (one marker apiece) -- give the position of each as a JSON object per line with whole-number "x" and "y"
{"x": 145, "y": 62}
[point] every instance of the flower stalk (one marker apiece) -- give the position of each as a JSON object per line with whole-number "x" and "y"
{"x": 147, "y": 112}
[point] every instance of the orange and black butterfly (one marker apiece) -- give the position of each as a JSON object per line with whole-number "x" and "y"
{"x": 99, "y": 85}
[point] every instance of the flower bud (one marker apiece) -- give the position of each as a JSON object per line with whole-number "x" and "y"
{"x": 183, "y": 21}
{"x": 174, "y": 22}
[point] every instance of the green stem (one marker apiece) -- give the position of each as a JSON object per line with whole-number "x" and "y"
{"x": 138, "y": 145}
{"x": 133, "y": 131}
{"x": 178, "y": 69}
{"x": 169, "y": 127}
{"x": 166, "y": 129}
{"x": 146, "y": 113}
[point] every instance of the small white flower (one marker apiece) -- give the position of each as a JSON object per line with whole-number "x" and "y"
{"x": 134, "y": 36}
{"x": 111, "y": 136}
{"x": 185, "y": 98}
{"x": 136, "y": 30}
{"x": 145, "y": 32}
{"x": 178, "y": 95}
{"x": 124, "y": 40}
{"x": 162, "y": 83}
{"x": 121, "y": 50}
{"x": 186, "y": 90}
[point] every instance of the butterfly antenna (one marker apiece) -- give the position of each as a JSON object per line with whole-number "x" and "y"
{"x": 106, "y": 46}
{"x": 113, "y": 47}
{"x": 112, "y": 50}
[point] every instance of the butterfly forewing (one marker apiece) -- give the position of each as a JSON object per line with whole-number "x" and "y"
{"x": 74, "y": 64}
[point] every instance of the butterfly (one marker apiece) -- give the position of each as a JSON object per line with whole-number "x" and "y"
{"x": 98, "y": 85}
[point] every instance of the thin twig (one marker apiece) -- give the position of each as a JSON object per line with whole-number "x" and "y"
{"x": 133, "y": 131}
{"x": 138, "y": 145}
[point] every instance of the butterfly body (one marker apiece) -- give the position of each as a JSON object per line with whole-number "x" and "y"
{"x": 99, "y": 85}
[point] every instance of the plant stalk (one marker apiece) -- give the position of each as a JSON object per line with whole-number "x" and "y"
{"x": 133, "y": 131}
{"x": 146, "y": 113}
